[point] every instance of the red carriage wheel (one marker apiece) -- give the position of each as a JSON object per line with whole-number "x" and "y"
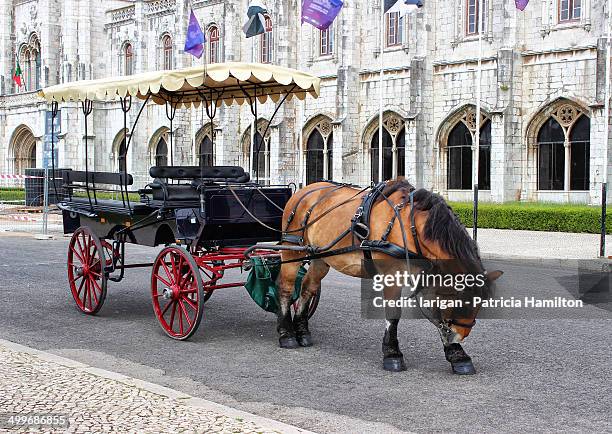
{"x": 178, "y": 292}
{"x": 86, "y": 274}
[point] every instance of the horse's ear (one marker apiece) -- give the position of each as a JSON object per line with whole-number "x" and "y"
{"x": 494, "y": 275}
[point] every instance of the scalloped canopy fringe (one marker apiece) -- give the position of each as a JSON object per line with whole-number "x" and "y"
{"x": 227, "y": 83}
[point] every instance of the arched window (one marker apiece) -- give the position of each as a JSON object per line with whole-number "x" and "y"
{"x": 30, "y": 62}
{"x": 460, "y": 155}
{"x": 319, "y": 162}
{"x": 161, "y": 153}
{"x": 318, "y": 150}
{"x": 167, "y": 52}
{"x": 267, "y": 42}
{"x": 207, "y": 158}
{"x": 213, "y": 44}
{"x": 393, "y": 148}
{"x": 580, "y": 144}
{"x": 121, "y": 156}
{"x": 128, "y": 59}
{"x": 551, "y": 156}
{"x": 260, "y": 158}
{"x": 260, "y": 164}
{"x": 563, "y": 144}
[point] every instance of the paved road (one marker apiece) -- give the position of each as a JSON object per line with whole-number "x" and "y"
{"x": 533, "y": 375}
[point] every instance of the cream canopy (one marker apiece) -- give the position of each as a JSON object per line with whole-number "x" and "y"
{"x": 229, "y": 83}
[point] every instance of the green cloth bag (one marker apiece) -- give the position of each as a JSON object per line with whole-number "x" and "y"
{"x": 261, "y": 283}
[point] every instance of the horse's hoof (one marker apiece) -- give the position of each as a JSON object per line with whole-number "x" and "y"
{"x": 394, "y": 364}
{"x": 463, "y": 368}
{"x": 305, "y": 340}
{"x": 288, "y": 342}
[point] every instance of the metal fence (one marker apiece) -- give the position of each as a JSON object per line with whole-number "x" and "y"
{"x": 27, "y": 203}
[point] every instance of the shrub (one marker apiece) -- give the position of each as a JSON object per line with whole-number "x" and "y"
{"x": 534, "y": 216}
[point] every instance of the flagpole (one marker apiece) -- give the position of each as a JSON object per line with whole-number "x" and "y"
{"x": 476, "y": 159}
{"x": 604, "y": 186}
{"x": 380, "y": 84}
{"x": 301, "y": 111}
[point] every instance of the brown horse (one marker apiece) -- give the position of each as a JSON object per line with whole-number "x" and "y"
{"x": 320, "y": 213}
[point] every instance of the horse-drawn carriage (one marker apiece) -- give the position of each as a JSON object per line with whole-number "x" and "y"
{"x": 212, "y": 219}
{"x": 205, "y": 217}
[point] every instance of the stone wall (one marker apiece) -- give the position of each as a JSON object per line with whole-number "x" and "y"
{"x": 531, "y": 63}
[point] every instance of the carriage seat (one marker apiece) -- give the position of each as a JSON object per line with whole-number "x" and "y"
{"x": 212, "y": 173}
{"x": 178, "y": 194}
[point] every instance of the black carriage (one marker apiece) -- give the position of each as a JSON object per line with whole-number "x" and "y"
{"x": 205, "y": 217}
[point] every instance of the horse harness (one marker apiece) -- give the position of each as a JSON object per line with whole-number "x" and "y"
{"x": 359, "y": 228}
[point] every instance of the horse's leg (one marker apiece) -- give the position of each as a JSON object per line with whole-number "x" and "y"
{"x": 460, "y": 362}
{"x": 310, "y": 286}
{"x": 286, "y": 285}
{"x": 393, "y": 359}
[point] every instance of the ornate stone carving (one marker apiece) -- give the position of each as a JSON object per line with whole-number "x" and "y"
{"x": 325, "y": 128}
{"x": 160, "y": 6}
{"x": 567, "y": 114}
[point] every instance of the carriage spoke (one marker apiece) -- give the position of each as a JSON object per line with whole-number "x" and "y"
{"x": 85, "y": 294}
{"x": 172, "y": 315}
{"x": 97, "y": 286}
{"x": 181, "y": 321}
{"x": 168, "y": 273}
{"x": 93, "y": 290}
{"x": 184, "y": 310}
{"x": 77, "y": 254}
{"x": 167, "y": 306}
{"x": 162, "y": 280}
{"x": 190, "y": 303}
{"x": 81, "y": 287}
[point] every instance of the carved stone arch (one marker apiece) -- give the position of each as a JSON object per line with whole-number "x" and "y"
{"x": 393, "y": 122}
{"x": 262, "y": 124}
{"x": 22, "y": 147}
{"x": 161, "y": 133}
{"x": 465, "y": 114}
{"x": 120, "y": 137}
{"x": 207, "y": 129}
{"x": 566, "y": 111}
{"x": 320, "y": 122}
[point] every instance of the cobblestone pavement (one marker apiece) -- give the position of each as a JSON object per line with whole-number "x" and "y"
{"x": 33, "y": 386}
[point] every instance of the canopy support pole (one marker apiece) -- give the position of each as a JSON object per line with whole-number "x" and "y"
{"x": 170, "y": 114}
{"x": 87, "y": 107}
{"x": 54, "y": 112}
{"x": 126, "y": 105}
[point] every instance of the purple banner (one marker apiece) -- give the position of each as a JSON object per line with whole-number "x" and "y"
{"x": 521, "y": 4}
{"x": 320, "y": 13}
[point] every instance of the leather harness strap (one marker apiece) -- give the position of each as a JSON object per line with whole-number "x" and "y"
{"x": 359, "y": 228}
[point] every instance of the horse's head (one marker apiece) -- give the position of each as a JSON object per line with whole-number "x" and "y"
{"x": 458, "y": 273}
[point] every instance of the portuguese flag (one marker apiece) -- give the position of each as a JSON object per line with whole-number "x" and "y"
{"x": 17, "y": 75}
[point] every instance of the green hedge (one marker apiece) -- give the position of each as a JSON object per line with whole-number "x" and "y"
{"x": 18, "y": 194}
{"x": 534, "y": 216}
{"x": 11, "y": 194}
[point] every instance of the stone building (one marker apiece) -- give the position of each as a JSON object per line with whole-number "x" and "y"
{"x": 542, "y": 129}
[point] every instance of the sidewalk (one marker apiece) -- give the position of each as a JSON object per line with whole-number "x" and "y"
{"x": 35, "y": 383}
{"x": 510, "y": 244}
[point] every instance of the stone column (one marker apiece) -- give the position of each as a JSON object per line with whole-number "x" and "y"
{"x": 498, "y": 158}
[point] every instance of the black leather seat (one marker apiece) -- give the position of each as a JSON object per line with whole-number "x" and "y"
{"x": 213, "y": 173}
{"x": 178, "y": 194}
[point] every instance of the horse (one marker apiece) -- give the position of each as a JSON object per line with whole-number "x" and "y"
{"x": 316, "y": 219}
